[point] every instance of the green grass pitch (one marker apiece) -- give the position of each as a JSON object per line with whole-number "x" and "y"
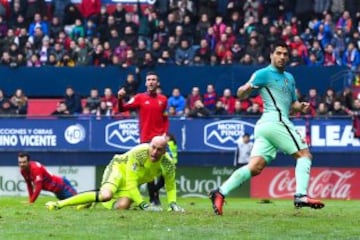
{"x": 242, "y": 219}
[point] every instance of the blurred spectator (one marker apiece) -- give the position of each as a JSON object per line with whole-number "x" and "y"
{"x": 228, "y": 100}
{"x": 34, "y": 7}
{"x": 210, "y": 97}
{"x": 59, "y": 8}
{"x": 90, "y": 9}
{"x": 178, "y": 101}
{"x": 104, "y": 110}
{"x": 346, "y": 97}
{"x": 19, "y": 102}
{"x": 131, "y": 84}
{"x": 6, "y": 109}
{"x": 38, "y": 23}
{"x": 184, "y": 54}
{"x": 119, "y": 13}
{"x": 61, "y": 110}
{"x": 66, "y": 61}
{"x": 156, "y": 50}
{"x": 254, "y": 110}
{"x": 34, "y": 61}
{"x": 313, "y": 99}
{"x": 316, "y": 55}
{"x": 330, "y": 57}
{"x": 193, "y": 97}
{"x": 71, "y": 13}
{"x": 202, "y": 27}
{"x": 199, "y": 110}
{"x": 110, "y": 100}
{"x": 345, "y": 22}
{"x": 322, "y": 110}
{"x": 78, "y": 30}
{"x": 161, "y": 33}
{"x": 72, "y": 101}
{"x": 337, "y": 109}
{"x": 148, "y": 62}
{"x": 55, "y": 28}
{"x": 220, "y": 109}
{"x": 329, "y": 98}
{"x": 93, "y": 101}
{"x": 165, "y": 58}
{"x": 295, "y": 59}
{"x": 351, "y": 56}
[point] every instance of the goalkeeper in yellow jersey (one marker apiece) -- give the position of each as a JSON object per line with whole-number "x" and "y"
{"x": 123, "y": 176}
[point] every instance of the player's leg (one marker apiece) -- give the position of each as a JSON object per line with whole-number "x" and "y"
{"x": 263, "y": 153}
{"x": 153, "y": 194}
{"x": 67, "y": 190}
{"x": 111, "y": 180}
{"x": 122, "y": 203}
{"x": 291, "y": 142}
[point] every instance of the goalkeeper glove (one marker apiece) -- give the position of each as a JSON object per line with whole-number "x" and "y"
{"x": 174, "y": 207}
{"x": 147, "y": 207}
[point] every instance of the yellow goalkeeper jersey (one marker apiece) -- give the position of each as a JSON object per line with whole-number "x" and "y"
{"x": 136, "y": 168}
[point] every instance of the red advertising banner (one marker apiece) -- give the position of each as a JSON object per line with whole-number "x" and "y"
{"x": 332, "y": 183}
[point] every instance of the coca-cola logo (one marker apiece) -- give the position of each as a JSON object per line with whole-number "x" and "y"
{"x": 326, "y": 184}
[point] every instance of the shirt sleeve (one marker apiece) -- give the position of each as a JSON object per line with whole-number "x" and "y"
{"x": 257, "y": 80}
{"x": 168, "y": 171}
{"x": 132, "y": 104}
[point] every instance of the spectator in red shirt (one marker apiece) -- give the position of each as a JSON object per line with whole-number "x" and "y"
{"x": 228, "y": 100}
{"x": 90, "y": 9}
{"x": 38, "y": 178}
{"x": 193, "y": 97}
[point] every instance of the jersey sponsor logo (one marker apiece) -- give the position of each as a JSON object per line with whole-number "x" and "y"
{"x": 75, "y": 133}
{"x": 225, "y": 134}
{"x": 123, "y": 134}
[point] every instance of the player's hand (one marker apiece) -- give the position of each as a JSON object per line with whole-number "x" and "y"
{"x": 173, "y": 207}
{"x": 121, "y": 93}
{"x": 304, "y": 106}
{"x": 147, "y": 207}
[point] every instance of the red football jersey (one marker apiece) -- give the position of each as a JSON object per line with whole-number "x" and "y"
{"x": 37, "y": 176}
{"x": 153, "y": 119}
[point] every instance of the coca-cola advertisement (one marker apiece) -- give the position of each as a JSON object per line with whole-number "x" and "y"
{"x": 332, "y": 183}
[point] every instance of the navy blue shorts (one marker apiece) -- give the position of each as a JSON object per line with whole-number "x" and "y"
{"x": 67, "y": 190}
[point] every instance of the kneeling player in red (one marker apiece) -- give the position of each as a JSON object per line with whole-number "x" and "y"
{"x": 38, "y": 178}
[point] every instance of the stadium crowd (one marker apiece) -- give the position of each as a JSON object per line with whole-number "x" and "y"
{"x": 182, "y": 32}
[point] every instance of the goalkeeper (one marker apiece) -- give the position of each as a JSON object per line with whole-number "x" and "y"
{"x": 122, "y": 176}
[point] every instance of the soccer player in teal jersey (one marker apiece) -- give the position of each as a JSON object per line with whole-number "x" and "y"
{"x": 273, "y": 131}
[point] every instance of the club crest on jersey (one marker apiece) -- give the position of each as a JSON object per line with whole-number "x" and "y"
{"x": 286, "y": 81}
{"x": 134, "y": 167}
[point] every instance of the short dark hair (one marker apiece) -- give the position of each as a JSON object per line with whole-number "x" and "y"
{"x": 246, "y": 135}
{"x": 24, "y": 154}
{"x": 279, "y": 43}
{"x": 152, "y": 73}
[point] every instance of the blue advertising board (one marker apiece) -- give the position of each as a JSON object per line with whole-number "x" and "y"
{"x": 193, "y": 135}
{"x": 44, "y": 134}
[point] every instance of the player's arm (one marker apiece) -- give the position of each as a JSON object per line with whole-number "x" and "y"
{"x": 29, "y": 186}
{"x": 256, "y": 81}
{"x": 300, "y": 106}
{"x": 37, "y": 190}
{"x": 168, "y": 171}
{"x": 244, "y": 91}
{"x": 133, "y": 103}
{"x": 132, "y": 171}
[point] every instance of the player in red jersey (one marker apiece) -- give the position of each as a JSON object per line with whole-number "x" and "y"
{"x": 153, "y": 119}
{"x": 38, "y": 178}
